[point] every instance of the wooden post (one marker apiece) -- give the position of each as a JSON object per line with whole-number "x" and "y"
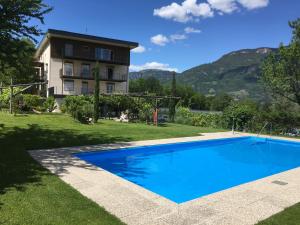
{"x": 11, "y": 96}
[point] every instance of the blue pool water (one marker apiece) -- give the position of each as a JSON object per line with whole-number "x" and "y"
{"x": 185, "y": 171}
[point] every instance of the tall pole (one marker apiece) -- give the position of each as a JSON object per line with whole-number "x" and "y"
{"x": 11, "y": 96}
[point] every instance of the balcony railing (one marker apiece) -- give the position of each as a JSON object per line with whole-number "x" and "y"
{"x": 104, "y": 77}
{"x": 87, "y": 91}
{"x": 91, "y": 57}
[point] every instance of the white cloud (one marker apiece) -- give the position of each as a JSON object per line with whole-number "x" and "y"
{"x": 139, "y": 49}
{"x": 160, "y": 39}
{"x": 225, "y": 6}
{"x": 177, "y": 37}
{"x": 152, "y": 65}
{"x": 191, "y": 10}
{"x": 184, "y": 12}
{"x": 254, "y": 4}
{"x": 190, "y": 30}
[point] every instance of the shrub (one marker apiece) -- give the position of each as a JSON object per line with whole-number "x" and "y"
{"x": 83, "y": 113}
{"x": 31, "y": 102}
{"x": 49, "y": 104}
{"x": 145, "y": 112}
{"x": 79, "y": 107}
{"x": 4, "y": 97}
{"x": 242, "y": 113}
{"x": 185, "y": 116}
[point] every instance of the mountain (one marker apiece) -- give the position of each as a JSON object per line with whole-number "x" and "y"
{"x": 163, "y": 76}
{"x": 236, "y": 73}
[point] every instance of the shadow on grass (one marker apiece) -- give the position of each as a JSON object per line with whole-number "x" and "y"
{"x": 17, "y": 167}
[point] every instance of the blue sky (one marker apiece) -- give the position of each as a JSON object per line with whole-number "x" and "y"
{"x": 179, "y": 34}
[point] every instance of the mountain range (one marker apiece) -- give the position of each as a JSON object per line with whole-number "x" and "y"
{"x": 236, "y": 73}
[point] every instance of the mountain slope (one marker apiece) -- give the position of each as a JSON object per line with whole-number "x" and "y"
{"x": 236, "y": 73}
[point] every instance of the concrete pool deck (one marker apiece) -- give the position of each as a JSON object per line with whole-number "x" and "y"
{"x": 244, "y": 204}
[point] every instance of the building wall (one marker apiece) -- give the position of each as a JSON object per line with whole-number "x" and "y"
{"x": 46, "y": 59}
{"x": 57, "y": 82}
{"x": 120, "y": 54}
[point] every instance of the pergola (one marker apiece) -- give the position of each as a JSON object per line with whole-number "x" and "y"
{"x": 145, "y": 96}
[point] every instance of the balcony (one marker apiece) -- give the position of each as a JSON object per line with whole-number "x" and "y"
{"x": 79, "y": 76}
{"x": 87, "y": 91}
{"x": 91, "y": 57}
{"x": 103, "y": 77}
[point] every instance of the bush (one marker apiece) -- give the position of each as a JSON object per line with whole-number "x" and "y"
{"x": 146, "y": 112}
{"x": 185, "y": 116}
{"x": 4, "y": 97}
{"x": 49, "y": 104}
{"x": 79, "y": 107}
{"x": 84, "y": 113}
{"x": 31, "y": 102}
{"x": 241, "y": 113}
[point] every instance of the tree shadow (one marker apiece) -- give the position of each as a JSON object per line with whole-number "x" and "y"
{"x": 18, "y": 168}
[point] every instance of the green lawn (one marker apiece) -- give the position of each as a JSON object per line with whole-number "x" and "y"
{"x": 290, "y": 216}
{"x": 29, "y": 194}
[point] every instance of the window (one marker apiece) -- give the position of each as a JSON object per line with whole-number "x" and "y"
{"x": 110, "y": 73}
{"x": 103, "y": 54}
{"x": 110, "y": 88}
{"x": 68, "y": 85}
{"x": 85, "y": 70}
{"x": 84, "y": 87}
{"x": 68, "y": 69}
{"x": 68, "y": 50}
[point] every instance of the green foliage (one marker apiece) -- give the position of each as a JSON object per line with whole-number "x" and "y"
{"x": 79, "y": 107}
{"x": 220, "y": 102}
{"x": 172, "y": 103}
{"x": 185, "y": 116}
{"x": 146, "y": 111}
{"x": 22, "y": 69}
{"x": 281, "y": 70}
{"x": 236, "y": 73}
{"x": 96, "y": 93}
{"x": 240, "y": 113}
{"x": 31, "y": 102}
{"x": 49, "y": 104}
{"x": 84, "y": 112}
{"x": 198, "y": 101}
{"x": 16, "y": 54}
{"x": 117, "y": 104}
{"x": 147, "y": 85}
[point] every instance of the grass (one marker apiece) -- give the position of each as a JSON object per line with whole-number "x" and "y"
{"x": 30, "y": 194}
{"x": 290, "y": 216}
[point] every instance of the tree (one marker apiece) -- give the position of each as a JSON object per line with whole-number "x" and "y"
{"x": 15, "y": 18}
{"x": 220, "y": 102}
{"x": 96, "y": 93}
{"x": 240, "y": 113}
{"x": 150, "y": 85}
{"x": 281, "y": 70}
{"x": 172, "y": 104}
{"x": 22, "y": 70}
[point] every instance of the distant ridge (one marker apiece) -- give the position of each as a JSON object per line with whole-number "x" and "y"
{"x": 236, "y": 73}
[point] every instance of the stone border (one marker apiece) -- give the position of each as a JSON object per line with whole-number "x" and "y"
{"x": 244, "y": 204}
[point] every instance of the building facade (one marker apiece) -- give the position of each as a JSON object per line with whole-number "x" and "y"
{"x": 67, "y": 61}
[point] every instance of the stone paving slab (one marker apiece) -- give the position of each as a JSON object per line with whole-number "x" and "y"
{"x": 244, "y": 204}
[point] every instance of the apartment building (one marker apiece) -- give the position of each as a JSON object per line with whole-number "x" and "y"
{"x": 67, "y": 60}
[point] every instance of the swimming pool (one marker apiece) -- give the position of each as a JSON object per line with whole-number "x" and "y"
{"x": 189, "y": 170}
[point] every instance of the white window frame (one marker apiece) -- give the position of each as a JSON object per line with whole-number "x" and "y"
{"x": 68, "y": 88}
{"x": 66, "y": 64}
